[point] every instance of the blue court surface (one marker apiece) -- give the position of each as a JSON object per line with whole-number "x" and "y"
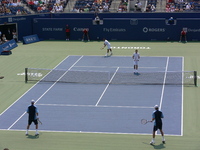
{"x": 102, "y": 108}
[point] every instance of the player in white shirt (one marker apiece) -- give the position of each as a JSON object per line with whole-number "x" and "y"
{"x": 107, "y": 43}
{"x": 136, "y": 58}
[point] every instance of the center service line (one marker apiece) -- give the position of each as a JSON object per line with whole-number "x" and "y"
{"x": 107, "y": 86}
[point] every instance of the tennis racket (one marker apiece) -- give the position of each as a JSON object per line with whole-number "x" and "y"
{"x": 144, "y": 121}
{"x": 1, "y": 77}
{"x": 39, "y": 121}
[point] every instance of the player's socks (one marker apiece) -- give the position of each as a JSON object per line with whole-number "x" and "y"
{"x": 163, "y": 139}
{"x": 36, "y": 133}
{"x": 27, "y": 132}
{"x": 152, "y": 141}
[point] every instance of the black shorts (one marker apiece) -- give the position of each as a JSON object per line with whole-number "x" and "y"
{"x": 159, "y": 126}
{"x": 35, "y": 122}
{"x": 67, "y": 33}
{"x": 183, "y": 36}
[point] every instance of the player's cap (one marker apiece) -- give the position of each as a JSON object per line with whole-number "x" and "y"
{"x": 32, "y": 101}
{"x": 156, "y": 106}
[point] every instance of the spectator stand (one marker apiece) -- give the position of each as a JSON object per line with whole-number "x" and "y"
{"x": 183, "y": 6}
{"x": 44, "y": 6}
{"x": 137, "y": 6}
{"x": 95, "y": 6}
{"x": 14, "y": 7}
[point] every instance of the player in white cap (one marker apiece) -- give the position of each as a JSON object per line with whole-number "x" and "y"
{"x": 157, "y": 118}
{"x": 32, "y": 117}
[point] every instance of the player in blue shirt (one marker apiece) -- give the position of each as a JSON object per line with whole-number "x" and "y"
{"x": 157, "y": 118}
{"x": 32, "y": 117}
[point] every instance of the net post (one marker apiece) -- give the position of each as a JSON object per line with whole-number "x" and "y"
{"x": 26, "y": 75}
{"x": 195, "y": 78}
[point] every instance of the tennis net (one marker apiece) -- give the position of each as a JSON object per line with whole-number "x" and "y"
{"x": 107, "y": 77}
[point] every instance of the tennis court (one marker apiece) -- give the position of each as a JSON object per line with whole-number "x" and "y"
{"x": 103, "y": 108}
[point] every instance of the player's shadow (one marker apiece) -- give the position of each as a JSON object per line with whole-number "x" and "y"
{"x": 32, "y": 136}
{"x": 160, "y": 146}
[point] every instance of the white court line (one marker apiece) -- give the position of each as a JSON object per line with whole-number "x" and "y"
{"x": 182, "y": 100}
{"x": 45, "y": 92}
{"x": 106, "y": 106}
{"x": 163, "y": 87}
{"x": 82, "y": 132}
{"x": 114, "y": 67}
{"x": 106, "y": 87}
{"x": 28, "y": 90}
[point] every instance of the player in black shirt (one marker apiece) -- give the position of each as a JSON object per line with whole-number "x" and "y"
{"x": 157, "y": 118}
{"x": 32, "y": 117}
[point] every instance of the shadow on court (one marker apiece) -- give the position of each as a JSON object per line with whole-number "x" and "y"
{"x": 160, "y": 146}
{"x": 32, "y": 137}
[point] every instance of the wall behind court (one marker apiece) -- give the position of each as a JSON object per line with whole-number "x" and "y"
{"x": 116, "y": 26}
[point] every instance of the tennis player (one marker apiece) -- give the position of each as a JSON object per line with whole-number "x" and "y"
{"x": 136, "y": 58}
{"x": 33, "y": 116}
{"x": 157, "y": 118}
{"x": 107, "y": 43}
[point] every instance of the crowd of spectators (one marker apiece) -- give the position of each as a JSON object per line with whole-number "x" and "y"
{"x": 181, "y": 6}
{"x": 97, "y": 6}
{"x": 8, "y": 35}
{"x": 12, "y": 7}
{"x": 15, "y": 7}
{"x": 45, "y": 6}
{"x": 123, "y": 6}
{"x": 151, "y": 6}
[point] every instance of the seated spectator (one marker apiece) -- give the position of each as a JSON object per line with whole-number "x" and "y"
{"x": 3, "y": 38}
{"x": 75, "y": 9}
{"x": 36, "y": 2}
{"x": 18, "y": 12}
{"x": 59, "y": 8}
{"x": 120, "y": 9}
{"x": 100, "y": 10}
{"x": 167, "y": 7}
{"x": 188, "y": 7}
{"x": 39, "y": 9}
{"x": 87, "y": 8}
{"x": 153, "y": 8}
{"x": 148, "y": 8}
{"x": 8, "y": 11}
{"x": 172, "y": 7}
{"x": 138, "y": 6}
{"x": 106, "y": 8}
{"x": 14, "y": 33}
{"x": 93, "y": 8}
{"x": 31, "y": 4}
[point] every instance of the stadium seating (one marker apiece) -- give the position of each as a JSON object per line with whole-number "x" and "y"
{"x": 92, "y": 6}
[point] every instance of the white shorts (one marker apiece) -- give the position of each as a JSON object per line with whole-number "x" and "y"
{"x": 108, "y": 47}
{"x": 135, "y": 62}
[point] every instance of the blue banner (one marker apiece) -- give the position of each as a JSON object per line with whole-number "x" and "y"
{"x": 140, "y": 29}
{"x": 8, "y": 46}
{"x": 30, "y": 39}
